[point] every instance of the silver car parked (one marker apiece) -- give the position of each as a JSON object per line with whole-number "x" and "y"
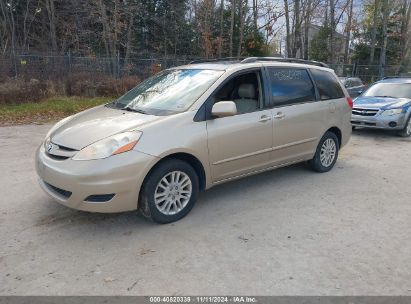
{"x": 385, "y": 105}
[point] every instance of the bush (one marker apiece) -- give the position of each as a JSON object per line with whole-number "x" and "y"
{"x": 116, "y": 87}
{"x": 84, "y": 84}
{"x": 17, "y": 91}
{"x": 20, "y": 91}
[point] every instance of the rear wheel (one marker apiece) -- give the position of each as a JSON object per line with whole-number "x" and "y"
{"x": 326, "y": 154}
{"x": 169, "y": 191}
{"x": 406, "y": 132}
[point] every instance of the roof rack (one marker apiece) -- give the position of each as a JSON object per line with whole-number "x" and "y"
{"x": 281, "y": 59}
{"x": 238, "y": 59}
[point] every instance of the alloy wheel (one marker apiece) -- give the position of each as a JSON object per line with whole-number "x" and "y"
{"x": 328, "y": 152}
{"x": 173, "y": 192}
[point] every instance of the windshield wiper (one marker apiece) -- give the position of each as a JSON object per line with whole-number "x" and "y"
{"x": 130, "y": 109}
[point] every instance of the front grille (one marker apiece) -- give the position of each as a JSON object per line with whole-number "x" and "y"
{"x": 363, "y": 123}
{"x": 364, "y": 112}
{"x": 58, "y": 152}
{"x": 56, "y": 157}
{"x": 66, "y": 194}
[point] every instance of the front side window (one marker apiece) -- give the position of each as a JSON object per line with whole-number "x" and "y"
{"x": 327, "y": 84}
{"x": 244, "y": 90}
{"x": 289, "y": 86}
{"x": 168, "y": 92}
{"x": 396, "y": 90}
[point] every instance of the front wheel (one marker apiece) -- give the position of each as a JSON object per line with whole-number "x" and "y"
{"x": 406, "y": 132}
{"x": 169, "y": 191}
{"x": 326, "y": 154}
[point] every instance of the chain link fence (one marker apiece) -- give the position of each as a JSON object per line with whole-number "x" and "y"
{"x": 368, "y": 73}
{"x": 60, "y": 67}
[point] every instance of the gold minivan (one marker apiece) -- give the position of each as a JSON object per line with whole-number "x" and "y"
{"x": 193, "y": 127}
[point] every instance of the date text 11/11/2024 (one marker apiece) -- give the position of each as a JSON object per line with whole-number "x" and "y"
{"x": 203, "y": 299}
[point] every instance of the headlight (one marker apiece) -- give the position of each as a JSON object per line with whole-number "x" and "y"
{"x": 56, "y": 126}
{"x": 392, "y": 112}
{"x": 112, "y": 145}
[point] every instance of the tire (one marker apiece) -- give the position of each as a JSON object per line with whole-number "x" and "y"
{"x": 406, "y": 132}
{"x": 175, "y": 199}
{"x": 320, "y": 162}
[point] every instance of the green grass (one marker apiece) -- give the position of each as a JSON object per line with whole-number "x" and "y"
{"x": 51, "y": 109}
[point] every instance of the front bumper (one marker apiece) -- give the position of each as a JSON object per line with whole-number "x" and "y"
{"x": 394, "y": 122}
{"x": 71, "y": 182}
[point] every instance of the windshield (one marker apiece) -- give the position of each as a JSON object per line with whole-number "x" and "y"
{"x": 396, "y": 90}
{"x": 168, "y": 92}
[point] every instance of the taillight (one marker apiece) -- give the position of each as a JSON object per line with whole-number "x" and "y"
{"x": 350, "y": 102}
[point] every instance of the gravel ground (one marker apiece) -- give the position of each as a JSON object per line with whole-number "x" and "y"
{"x": 285, "y": 232}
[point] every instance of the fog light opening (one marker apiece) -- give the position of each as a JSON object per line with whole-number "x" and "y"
{"x": 392, "y": 124}
{"x": 99, "y": 198}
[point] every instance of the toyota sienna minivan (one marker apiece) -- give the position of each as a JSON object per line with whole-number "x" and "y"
{"x": 192, "y": 127}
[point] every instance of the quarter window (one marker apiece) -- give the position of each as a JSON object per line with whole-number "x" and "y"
{"x": 327, "y": 84}
{"x": 290, "y": 86}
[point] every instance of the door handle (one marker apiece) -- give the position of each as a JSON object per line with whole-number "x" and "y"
{"x": 279, "y": 115}
{"x": 264, "y": 118}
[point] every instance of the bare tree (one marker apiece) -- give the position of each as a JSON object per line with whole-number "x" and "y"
{"x": 52, "y": 21}
{"x": 297, "y": 29}
{"x": 348, "y": 31}
{"x": 232, "y": 27}
{"x": 405, "y": 24}
{"x": 132, "y": 11}
{"x": 332, "y": 30}
{"x": 374, "y": 31}
{"x": 385, "y": 11}
{"x": 287, "y": 26}
{"x": 307, "y": 21}
{"x": 242, "y": 16}
{"x": 255, "y": 14}
{"x": 220, "y": 41}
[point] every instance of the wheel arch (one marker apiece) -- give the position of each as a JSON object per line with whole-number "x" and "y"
{"x": 191, "y": 160}
{"x": 337, "y": 133}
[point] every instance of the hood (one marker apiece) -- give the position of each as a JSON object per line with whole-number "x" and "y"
{"x": 383, "y": 103}
{"x": 97, "y": 123}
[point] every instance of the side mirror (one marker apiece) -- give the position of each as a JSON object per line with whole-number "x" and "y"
{"x": 360, "y": 92}
{"x": 346, "y": 85}
{"x": 224, "y": 109}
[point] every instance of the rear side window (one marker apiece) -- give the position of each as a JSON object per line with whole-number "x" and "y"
{"x": 289, "y": 86}
{"x": 327, "y": 84}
